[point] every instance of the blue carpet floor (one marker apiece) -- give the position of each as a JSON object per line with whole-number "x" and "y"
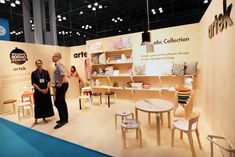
{"x": 20, "y": 141}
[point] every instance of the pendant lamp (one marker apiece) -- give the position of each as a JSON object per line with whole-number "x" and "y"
{"x": 146, "y": 36}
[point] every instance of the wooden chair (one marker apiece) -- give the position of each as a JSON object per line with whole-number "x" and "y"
{"x": 187, "y": 126}
{"x": 184, "y": 104}
{"x": 85, "y": 95}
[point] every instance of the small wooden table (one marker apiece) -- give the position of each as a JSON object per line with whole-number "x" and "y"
{"x": 156, "y": 106}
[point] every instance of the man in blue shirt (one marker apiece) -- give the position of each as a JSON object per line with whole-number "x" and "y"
{"x": 61, "y": 85}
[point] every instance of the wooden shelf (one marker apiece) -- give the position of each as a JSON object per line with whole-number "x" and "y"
{"x": 121, "y": 51}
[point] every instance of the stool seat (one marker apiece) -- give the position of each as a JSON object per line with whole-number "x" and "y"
{"x": 96, "y": 94}
{"x": 109, "y": 93}
{"x": 123, "y": 112}
{"x": 130, "y": 124}
{"x": 9, "y": 101}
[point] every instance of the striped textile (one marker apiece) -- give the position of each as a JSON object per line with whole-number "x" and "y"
{"x": 87, "y": 65}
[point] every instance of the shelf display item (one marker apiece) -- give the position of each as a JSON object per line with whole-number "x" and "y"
{"x": 178, "y": 68}
{"x": 102, "y": 58}
{"x": 139, "y": 70}
{"x": 97, "y": 46}
{"x": 191, "y": 68}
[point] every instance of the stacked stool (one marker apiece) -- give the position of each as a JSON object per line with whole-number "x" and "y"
{"x": 123, "y": 114}
{"x": 11, "y": 101}
{"x": 131, "y": 124}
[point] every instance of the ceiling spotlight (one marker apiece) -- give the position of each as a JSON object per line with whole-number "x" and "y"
{"x": 205, "y": 1}
{"x": 64, "y": 18}
{"x": 121, "y": 20}
{"x": 70, "y": 32}
{"x": 115, "y": 21}
{"x": 90, "y": 27}
{"x": 17, "y": 2}
{"x": 119, "y": 31}
{"x": 59, "y": 32}
{"x": 84, "y": 35}
{"x": 93, "y": 8}
{"x": 83, "y": 26}
{"x": 13, "y": 5}
{"x": 89, "y": 6}
{"x": 59, "y": 16}
{"x": 2, "y": 1}
{"x": 118, "y": 18}
{"x": 96, "y": 4}
{"x": 129, "y": 29}
{"x": 59, "y": 19}
{"x": 81, "y": 12}
{"x": 100, "y": 6}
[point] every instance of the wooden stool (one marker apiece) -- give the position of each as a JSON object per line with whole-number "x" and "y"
{"x": 84, "y": 97}
{"x": 23, "y": 106}
{"x": 131, "y": 124}
{"x": 10, "y": 101}
{"x": 97, "y": 94}
{"x": 123, "y": 114}
{"x": 109, "y": 94}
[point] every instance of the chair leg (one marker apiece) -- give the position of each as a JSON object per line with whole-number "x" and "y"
{"x": 137, "y": 132}
{"x": 191, "y": 143}
{"x": 172, "y": 136}
{"x": 132, "y": 115}
{"x": 140, "y": 137}
{"x": 116, "y": 121}
{"x": 198, "y": 138}
{"x": 124, "y": 137}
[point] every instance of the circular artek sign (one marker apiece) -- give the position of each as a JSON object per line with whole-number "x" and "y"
{"x": 2, "y": 31}
{"x": 18, "y": 56}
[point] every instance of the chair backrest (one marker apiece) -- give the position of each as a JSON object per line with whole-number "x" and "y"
{"x": 193, "y": 120}
{"x": 183, "y": 104}
{"x": 86, "y": 89}
{"x": 27, "y": 97}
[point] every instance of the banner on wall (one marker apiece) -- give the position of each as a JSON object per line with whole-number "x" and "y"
{"x": 4, "y": 29}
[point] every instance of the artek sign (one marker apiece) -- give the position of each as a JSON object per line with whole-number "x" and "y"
{"x": 222, "y": 21}
{"x": 79, "y": 55}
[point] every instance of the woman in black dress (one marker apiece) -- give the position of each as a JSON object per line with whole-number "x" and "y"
{"x": 42, "y": 98}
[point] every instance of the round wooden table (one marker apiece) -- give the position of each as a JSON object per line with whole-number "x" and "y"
{"x": 156, "y": 106}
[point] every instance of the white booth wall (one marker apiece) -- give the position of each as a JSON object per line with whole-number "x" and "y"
{"x": 217, "y": 57}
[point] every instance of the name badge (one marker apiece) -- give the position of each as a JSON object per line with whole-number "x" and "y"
{"x": 42, "y": 80}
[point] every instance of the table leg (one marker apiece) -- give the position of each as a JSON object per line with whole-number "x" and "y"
{"x": 169, "y": 119}
{"x": 158, "y": 129}
{"x": 108, "y": 101}
{"x": 136, "y": 114}
{"x": 149, "y": 118}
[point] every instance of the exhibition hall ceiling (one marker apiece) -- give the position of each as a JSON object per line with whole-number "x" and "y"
{"x": 82, "y": 20}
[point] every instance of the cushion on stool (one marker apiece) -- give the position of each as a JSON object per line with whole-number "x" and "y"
{"x": 109, "y": 93}
{"x": 96, "y": 94}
